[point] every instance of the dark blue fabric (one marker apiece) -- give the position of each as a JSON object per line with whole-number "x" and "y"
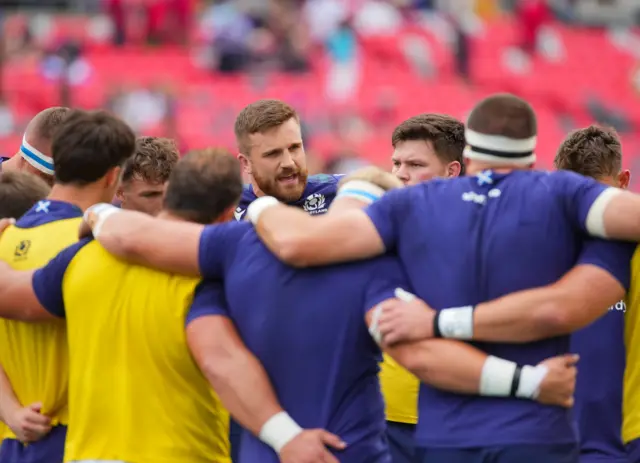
{"x": 559, "y": 453}
{"x": 400, "y": 437}
{"x": 50, "y": 449}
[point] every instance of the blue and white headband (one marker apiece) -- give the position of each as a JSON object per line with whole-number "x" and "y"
{"x": 37, "y": 159}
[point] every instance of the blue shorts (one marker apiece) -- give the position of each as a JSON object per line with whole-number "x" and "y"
{"x": 633, "y": 451}
{"x": 49, "y": 449}
{"x": 401, "y": 443}
{"x": 235, "y": 437}
{"x": 557, "y": 453}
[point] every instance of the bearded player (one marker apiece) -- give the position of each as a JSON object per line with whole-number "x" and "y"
{"x": 271, "y": 152}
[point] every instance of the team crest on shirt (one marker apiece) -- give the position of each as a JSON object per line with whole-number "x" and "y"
{"x": 238, "y": 213}
{"x": 22, "y": 249}
{"x": 315, "y": 204}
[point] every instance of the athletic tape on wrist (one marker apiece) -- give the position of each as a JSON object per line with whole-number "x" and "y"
{"x": 361, "y": 190}
{"x": 496, "y": 379}
{"x": 455, "y": 323}
{"x": 260, "y": 205}
{"x": 279, "y": 430}
{"x": 530, "y": 381}
{"x": 374, "y": 330}
{"x": 97, "y": 214}
{"x": 594, "y": 222}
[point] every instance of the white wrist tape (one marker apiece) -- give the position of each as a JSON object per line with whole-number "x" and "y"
{"x": 97, "y": 214}
{"x": 260, "y": 205}
{"x": 456, "y": 322}
{"x": 530, "y": 380}
{"x": 361, "y": 190}
{"x": 595, "y": 217}
{"x": 279, "y": 430}
{"x": 496, "y": 378}
{"x": 374, "y": 329}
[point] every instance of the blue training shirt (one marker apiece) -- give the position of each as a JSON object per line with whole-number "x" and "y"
{"x": 466, "y": 240}
{"x": 307, "y": 327}
{"x": 318, "y": 195}
{"x": 598, "y": 406}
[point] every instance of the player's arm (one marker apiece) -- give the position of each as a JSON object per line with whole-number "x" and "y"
{"x": 18, "y": 300}
{"x": 458, "y": 367}
{"x": 303, "y": 240}
{"x": 584, "y": 294}
{"x": 138, "y": 238}
{"x": 26, "y": 422}
{"x": 239, "y": 378}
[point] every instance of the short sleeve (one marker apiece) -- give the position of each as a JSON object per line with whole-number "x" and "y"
{"x": 611, "y": 256}
{"x": 217, "y": 242}
{"x": 386, "y": 275}
{"x": 209, "y": 299}
{"x": 47, "y": 281}
{"x": 578, "y": 194}
{"x": 385, "y": 215}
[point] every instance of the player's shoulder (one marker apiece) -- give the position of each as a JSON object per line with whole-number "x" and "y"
{"x": 323, "y": 183}
{"x": 48, "y": 211}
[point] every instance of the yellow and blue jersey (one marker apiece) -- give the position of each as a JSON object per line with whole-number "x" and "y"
{"x": 35, "y": 356}
{"x": 400, "y": 390}
{"x": 136, "y": 393}
{"x": 631, "y": 390}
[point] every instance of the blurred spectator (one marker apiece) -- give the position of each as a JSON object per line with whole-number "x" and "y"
{"x": 531, "y": 16}
{"x": 142, "y": 108}
{"x": 343, "y": 76}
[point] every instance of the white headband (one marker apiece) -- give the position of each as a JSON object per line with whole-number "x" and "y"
{"x": 490, "y": 148}
{"x": 36, "y": 158}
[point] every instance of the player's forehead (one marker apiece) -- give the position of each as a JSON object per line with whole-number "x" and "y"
{"x": 140, "y": 185}
{"x": 279, "y": 137}
{"x": 414, "y": 150}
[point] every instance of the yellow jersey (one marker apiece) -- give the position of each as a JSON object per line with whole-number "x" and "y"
{"x": 631, "y": 385}
{"x": 136, "y": 394}
{"x": 35, "y": 356}
{"x": 400, "y": 390}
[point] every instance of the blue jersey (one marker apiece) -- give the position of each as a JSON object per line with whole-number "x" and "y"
{"x": 598, "y": 407}
{"x": 318, "y": 195}
{"x": 471, "y": 239}
{"x": 307, "y": 327}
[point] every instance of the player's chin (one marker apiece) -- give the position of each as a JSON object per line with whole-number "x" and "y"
{"x": 290, "y": 191}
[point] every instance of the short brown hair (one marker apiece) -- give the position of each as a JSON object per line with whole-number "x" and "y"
{"x": 446, "y": 133}
{"x": 593, "y": 151}
{"x": 152, "y": 161}
{"x": 44, "y": 125}
{"x": 88, "y": 145}
{"x": 259, "y": 117}
{"x": 505, "y": 115}
{"x": 203, "y": 185}
{"x": 19, "y": 191}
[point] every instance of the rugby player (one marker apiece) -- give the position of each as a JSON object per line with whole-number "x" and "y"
{"x": 129, "y": 355}
{"x": 88, "y": 150}
{"x": 425, "y": 146}
{"x": 269, "y": 142}
{"x": 597, "y": 152}
{"x": 519, "y": 229}
{"x": 19, "y": 191}
{"x": 564, "y": 307}
{"x": 146, "y": 173}
{"x": 35, "y": 152}
{"x": 214, "y": 251}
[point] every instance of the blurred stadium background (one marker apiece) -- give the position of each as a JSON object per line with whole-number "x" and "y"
{"x": 353, "y": 68}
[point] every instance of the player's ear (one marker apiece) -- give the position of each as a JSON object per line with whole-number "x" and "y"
{"x": 245, "y": 163}
{"x": 623, "y": 179}
{"x": 113, "y": 177}
{"x": 453, "y": 169}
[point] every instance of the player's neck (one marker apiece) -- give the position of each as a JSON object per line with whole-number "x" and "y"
{"x": 83, "y": 197}
{"x": 168, "y": 215}
{"x": 12, "y": 164}
{"x": 256, "y": 189}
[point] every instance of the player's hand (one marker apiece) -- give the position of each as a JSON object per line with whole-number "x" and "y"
{"x": 405, "y": 318}
{"x": 559, "y": 384}
{"x": 5, "y": 223}
{"x": 385, "y": 180}
{"x": 28, "y": 424}
{"x": 310, "y": 446}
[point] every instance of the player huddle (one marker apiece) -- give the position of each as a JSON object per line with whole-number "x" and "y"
{"x": 315, "y": 310}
